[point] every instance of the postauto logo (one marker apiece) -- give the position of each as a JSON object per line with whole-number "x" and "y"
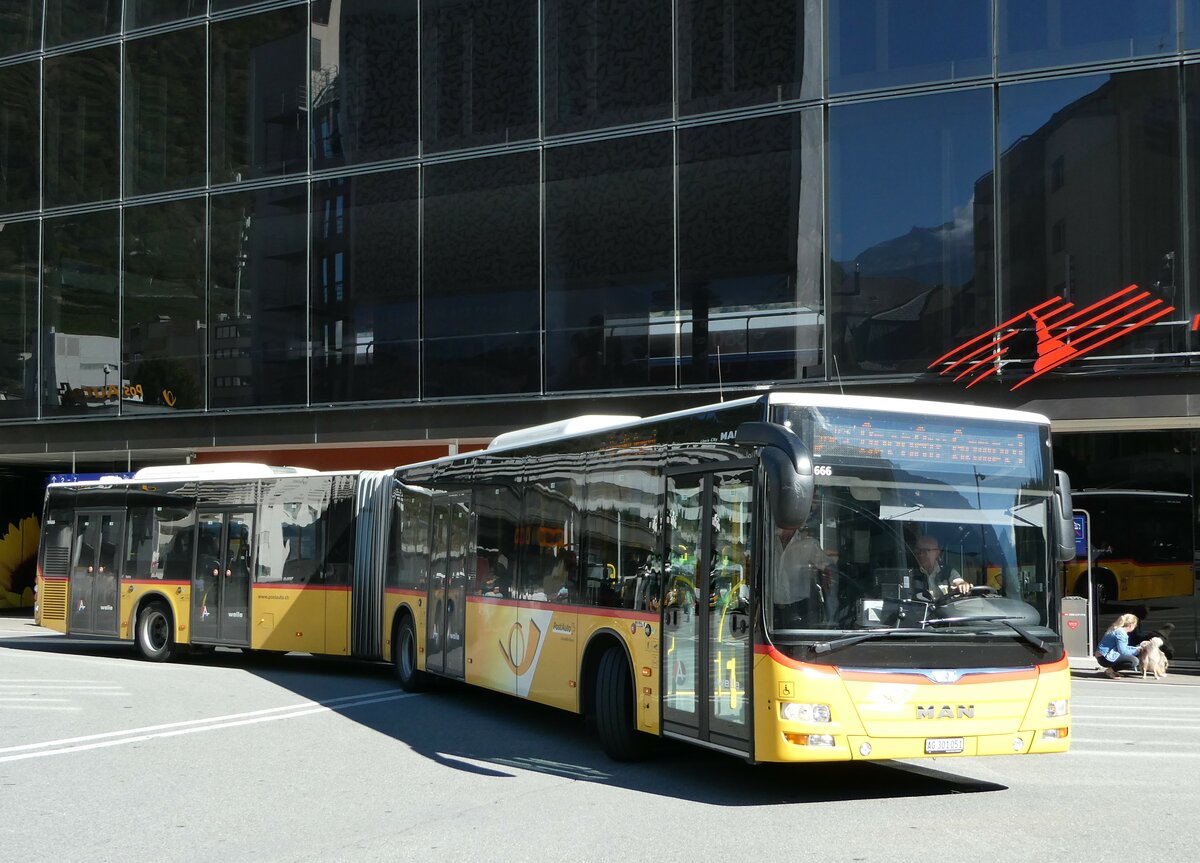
{"x": 1063, "y": 334}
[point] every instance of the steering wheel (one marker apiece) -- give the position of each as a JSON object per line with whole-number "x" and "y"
{"x": 977, "y": 590}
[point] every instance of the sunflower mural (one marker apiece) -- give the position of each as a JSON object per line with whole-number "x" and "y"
{"x": 18, "y": 563}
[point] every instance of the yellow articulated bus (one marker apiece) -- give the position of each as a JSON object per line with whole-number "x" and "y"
{"x": 787, "y": 577}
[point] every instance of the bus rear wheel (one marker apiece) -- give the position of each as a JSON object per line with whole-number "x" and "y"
{"x": 613, "y": 705}
{"x": 154, "y": 634}
{"x": 404, "y": 657}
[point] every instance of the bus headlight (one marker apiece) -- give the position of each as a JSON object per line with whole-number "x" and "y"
{"x": 794, "y": 711}
{"x": 1059, "y": 707}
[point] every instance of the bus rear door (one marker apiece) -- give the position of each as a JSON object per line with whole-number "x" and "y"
{"x": 445, "y": 630}
{"x": 94, "y": 588}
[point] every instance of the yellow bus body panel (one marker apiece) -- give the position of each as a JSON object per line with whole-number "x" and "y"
{"x": 890, "y": 713}
{"x": 1136, "y": 580}
{"x": 177, "y": 595}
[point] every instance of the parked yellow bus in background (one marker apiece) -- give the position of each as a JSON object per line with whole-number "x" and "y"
{"x": 740, "y": 576}
{"x": 1142, "y": 546}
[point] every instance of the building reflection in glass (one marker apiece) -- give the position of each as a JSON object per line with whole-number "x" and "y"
{"x": 1088, "y": 167}
{"x": 163, "y": 313}
{"x": 257, "y": 297}
{"x": 910, "y": 230}
{"x": 365, "y": 287}
{"x": 18, "y": 324}
{"x": 81, "y": 352}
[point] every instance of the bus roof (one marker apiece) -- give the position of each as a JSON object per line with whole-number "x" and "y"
{"x": 198, "y": 472}
{"x": 943, "y": 409}
{"x": 588, "y": 423}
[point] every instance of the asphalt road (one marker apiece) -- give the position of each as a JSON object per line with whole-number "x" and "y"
{"x": 228, "y": 757}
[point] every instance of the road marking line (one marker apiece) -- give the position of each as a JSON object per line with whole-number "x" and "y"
{"x": 191, "y": 726}
{"x": 8, "y": 707}
{"x": 8, "y": 700}
{"x": 1108, "y": 753}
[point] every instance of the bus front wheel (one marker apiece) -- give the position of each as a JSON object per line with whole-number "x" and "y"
{"x": 613, "y": 704}
{"x": 154, "y": 635}
{"x": 404, "y": 657}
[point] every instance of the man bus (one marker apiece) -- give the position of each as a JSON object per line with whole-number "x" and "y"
{"x": 626, "y": 569}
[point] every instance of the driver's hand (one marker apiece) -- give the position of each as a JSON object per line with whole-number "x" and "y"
{"x": 960, "y": 586}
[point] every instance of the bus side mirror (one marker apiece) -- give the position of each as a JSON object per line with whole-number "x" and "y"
{"x": 788, "y": 467}
{"x": 1064, "y": 522}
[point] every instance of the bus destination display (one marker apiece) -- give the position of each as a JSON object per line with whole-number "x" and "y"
{"x": 842, "y": 438}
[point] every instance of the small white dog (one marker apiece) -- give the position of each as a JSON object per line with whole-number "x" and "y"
{"x": 1152, "y": 658}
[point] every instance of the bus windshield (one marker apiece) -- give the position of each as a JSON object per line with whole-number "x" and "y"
{"x": 901, "y": 535}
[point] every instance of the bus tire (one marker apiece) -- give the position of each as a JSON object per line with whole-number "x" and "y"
{"x": 613, "y": 705}
{"x": 154, "y": 634}
{"x": 404, "y": 657}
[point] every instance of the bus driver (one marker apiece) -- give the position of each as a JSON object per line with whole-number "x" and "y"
{"x": 931, "y": 577}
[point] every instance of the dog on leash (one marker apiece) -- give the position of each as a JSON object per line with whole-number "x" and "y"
{"x": 1151, "y": 657}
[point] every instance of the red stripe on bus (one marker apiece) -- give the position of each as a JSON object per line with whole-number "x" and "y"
{"x": 589, "y": 610}
{"x": 404, "y": 591}
{"x": 154, "y": 581}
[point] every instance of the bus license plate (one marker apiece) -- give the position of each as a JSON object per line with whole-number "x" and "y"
{"x": 942, "y": 745}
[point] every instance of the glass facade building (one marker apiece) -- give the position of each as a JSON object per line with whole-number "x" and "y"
{"x": 430, "y": 220}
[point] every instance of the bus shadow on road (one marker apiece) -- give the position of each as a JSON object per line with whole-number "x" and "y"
{"x": 490, "y": 734}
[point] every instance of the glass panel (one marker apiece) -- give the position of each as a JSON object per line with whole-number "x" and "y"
{"x": 609, "y": 261}
{"x": 1040, "y": 33}
{"x": 1086, "y": 164}
{"x": 364, "y": 88}
{"x": 74, "y": 20}
{"x": 19, "y": 143}
{"x": 163, "y": 309}
{"x": 257, "y": 298}
{"x": 1191, "y": 24}
{"x": 364, "y": 294}
{"x": 891, "y": 43}
{"x": 622, "y": 564}
{"x": 548, "y": 539}
{"x": 750, "y": 202}
{"x": 747, "y": 52}
{"x": 408, "y": 565}
{"x": 139, "y": 542}
{"x": 910, "y": 231}
{"x": 681, "y": 604}
{"x": 608, "y": 63}
{"x": 164, "y": 109}
{"x": 81, "y": 370}
{"x": 291, "y": 540}
{"x": 498, "y": 509}
{"x": 144, "y": 13}
{"x": 81, "y": 120}
{"x": 338, "y": 521}
{"x": 18, "y": 325}
{"x": 481, "y": 253}
{"x": 259, "y": 107}
{"x": 729, "y": 602}
{"x": 20, "y": 26}
{"x": 478, "y": 72}
{"x": 175, "y": 543}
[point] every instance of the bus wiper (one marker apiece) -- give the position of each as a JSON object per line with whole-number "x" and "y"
{"x": 839, "y": 643}
{"x": 1008, "y": 621}
{"x": 916, "y": 507}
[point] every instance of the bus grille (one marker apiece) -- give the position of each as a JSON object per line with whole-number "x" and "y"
{"x": 54, "y": 600}
{"x": 54, "y": 562}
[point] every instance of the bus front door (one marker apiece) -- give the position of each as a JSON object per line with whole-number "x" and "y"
{"x": 706, "y": 646}
{"x": 221, "y": 580}
{"x": 94, "y": 588}
{"x": 445, "y": 630}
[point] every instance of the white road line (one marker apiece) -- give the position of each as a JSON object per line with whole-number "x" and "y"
{"x": 7, "y": 707}
{"x": 1139, "y": 753}
{"x": 1119, "y": 741}
{"x": 191, "y": 726}
{"x": 62, "y": 687}
{"x": 8, "y": 700}
{"x": 1143, "y": 707}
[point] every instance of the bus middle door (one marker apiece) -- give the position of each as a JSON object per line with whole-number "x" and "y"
{"x": 445, "y": 629}
{"x": 221, "y": 581}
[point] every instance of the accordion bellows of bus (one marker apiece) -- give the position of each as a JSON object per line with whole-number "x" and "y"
{"x": 787, "y": 577}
